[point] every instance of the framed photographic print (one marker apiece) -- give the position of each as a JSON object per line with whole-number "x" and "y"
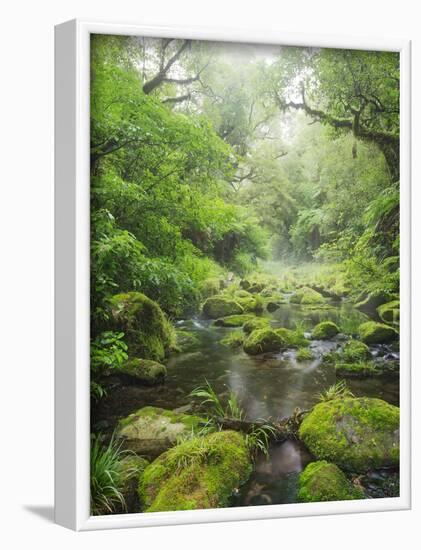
{"x": 232, "y": 275}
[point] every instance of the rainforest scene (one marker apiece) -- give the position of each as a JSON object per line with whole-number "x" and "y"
{"x": 244, "y": 274}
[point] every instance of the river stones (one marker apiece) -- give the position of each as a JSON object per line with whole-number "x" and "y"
{"x": 325, "y": 330}
{"x": 221, "y": 306}
{"x": 142, "y": 371}
{"x": 357, "y": 434}
{"x": 263, "y": 340}
{"x": 370, "y": 302}
{"x": 354, "y": 350}
{"x": 147, "y": 331}
{"x": 151, "y": 430}
{"x": 307, "y": 296}
{"x": 199, "y": 473}
{"x": 292, "y": 338}
{"x": 321, "y": 481}
{"x": 186, "y": 340}
{"x": 377, "y": 333}
{"x": 389, "y": 313}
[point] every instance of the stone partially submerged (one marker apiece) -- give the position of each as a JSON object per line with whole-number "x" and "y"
{"x": 143, "y": 371}
{"x": 199, "y": 473}
{"x": 221, "y": 306}
{"x": 325, "y": 330}
{"x": 377, "y": 333}
{"x": 263, "y": 340}
{"x": 150, "y": 431}
{"x": 307, "y": 296}
{"x": 321, "y": 481}
{"x": 357, "y": 434}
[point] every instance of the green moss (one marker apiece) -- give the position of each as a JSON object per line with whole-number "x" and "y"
{"x": 307, "y": 296}
{"x": 255, "y": 323}
{"x": 147, "y": 331}
{"x": 221, "y": 306}
{"x": 242, "y": 294}
{"x": 389, "y": 313}
{"x": 200, "y": 473}
{"x": 377, "y": 333}
{"x": 144, "y": 371}
{"x": 234, "y": 339}
{"x": 251, "y": 304}
{"x": 321, "y": 481}
{"x": 325, "y": 330}
{"x": 151, "y": 430}
{"x": 355, "y": 370}
{"x": 304, "y": 354}
{"x": 357, "y": 434}
{"x": 263, "y": 340}
{"x": 292, "y": 338}
{"x": 210, "y": 287}
{"x": 131, "y": 468}
{"x": 233, "y": 321}
{"x": 354, "y": 350}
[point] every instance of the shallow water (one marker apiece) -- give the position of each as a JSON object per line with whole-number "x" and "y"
{"x": 268, "y": 386}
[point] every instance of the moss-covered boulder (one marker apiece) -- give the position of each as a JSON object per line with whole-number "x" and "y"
{"x": 263, "y": 340}
{"x": 368, "y": 303}
{"x": 304, "y": 354}
{"x": 307, "y": 296}
{"x": 255, "y": 323}
{"x": 233, "y": 321}
{"x": 242, "y": 294}
{"x": 321, "y": 481}
{"x": 377, "y": 333}
{"x": 234, "y": 339}
{"x": 221, "y": 306}
{"x": 357, "y": 434}
{"x": 131, "y": 468}
{"x": 143, "y": 371}
{"x": 355, "y": 351}
{"x": 272, "y": 306}
{"x": 292, "y": 338}
{"x": 389, "y": 312}
{"x": 151, "y": 430}
{"x": 325, "y": 330}
{"x": 200, "y": 473}
{"x": 147, "y": 331}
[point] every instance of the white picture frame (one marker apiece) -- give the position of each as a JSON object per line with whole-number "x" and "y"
{"x": 72, "y": 422}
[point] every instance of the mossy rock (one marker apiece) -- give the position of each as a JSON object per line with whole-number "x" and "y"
{"x": 255, "y": 323}
{"x": 263, "y": 340}
{"x": 233, "y": 321}
{"x": 325, "y": 330}
{"x": 200, "y": 473}
{"x": 355, "y": 351}
{"x": 186, "y": 340}
{"x": 245, "y": 284}
{"x": 377, "y": 333}
{"x": 147, "y": 331}
{"x": 143, "y": 371}
{"x": 131, "y": 468}
{"x": 234, "y": 339}
{"x": 361, "y": 369}
{"x": 357, "y": 434}
{"x": 151, "y": 430}
{"x": 251, "y": 303}
{"x": 321, "y": 481}
{"x": 369, "y": 303}
{"x": 221, "y": 306}
{"x": 304, "y": 354}
{"x": 242, "y": 294}
{"x": 292, "y": 338}
{"x": 307, "y": 296}
{"x": 389, "y": 312}
{"x": 256, "y": 287}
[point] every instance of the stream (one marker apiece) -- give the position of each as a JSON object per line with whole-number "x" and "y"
{"x": 268, "y": 386}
